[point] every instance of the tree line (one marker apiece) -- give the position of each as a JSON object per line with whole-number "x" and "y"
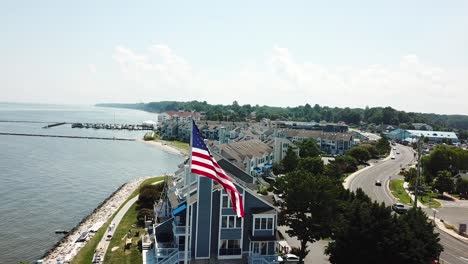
{"x": 316, "y": 206}
{"x": 237, "y": 112}
{"x": 439, "y": 169}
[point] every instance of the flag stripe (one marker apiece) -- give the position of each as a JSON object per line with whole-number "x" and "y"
{"x": 202, "y": 163}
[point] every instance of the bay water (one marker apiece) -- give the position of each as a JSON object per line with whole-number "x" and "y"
{"x": 52, "y": 183}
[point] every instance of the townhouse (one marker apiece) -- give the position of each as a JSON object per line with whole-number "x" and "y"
{"x": 212, "y": 233}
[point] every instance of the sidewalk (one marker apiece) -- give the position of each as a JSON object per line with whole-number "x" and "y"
{"x": 439, "y": 224}
{"x": 103, "y": 245}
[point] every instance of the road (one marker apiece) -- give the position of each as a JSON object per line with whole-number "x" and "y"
{"x": 455, "y": 251}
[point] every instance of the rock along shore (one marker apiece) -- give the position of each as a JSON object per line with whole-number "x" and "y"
{"x": 65, "y": 249}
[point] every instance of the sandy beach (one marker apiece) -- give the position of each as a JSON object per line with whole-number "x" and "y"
{"x": 67, "y": 248}
{"x": 165, "y": 147}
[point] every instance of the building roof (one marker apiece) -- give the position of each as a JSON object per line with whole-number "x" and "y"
{"x": 263, "y": 210}
{"x": 302, "y": 133}
{"x": 433, "y": 134}
{"x": 184, "y": 114}
{"x": 238, "y": 151}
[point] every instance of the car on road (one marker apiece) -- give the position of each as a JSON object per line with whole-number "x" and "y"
{"x": 378, "y": 183}
{"x": 394, "y": 148}
{"x": 393, "y": 156}
{"x": 288, "y": 258}
{"x": 397, "y": 152}
{"x": 399, "y": 208}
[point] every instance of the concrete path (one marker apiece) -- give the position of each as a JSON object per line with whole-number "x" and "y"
{"x": 103, "y": 245}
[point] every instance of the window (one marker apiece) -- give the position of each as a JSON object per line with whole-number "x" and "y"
{"x": 226, "y": 202}
{"x": 231, "y": 221}
{"x": 263, "y": 223}
{"x": 260, "y": 248}
{"x": 230, "y": 247}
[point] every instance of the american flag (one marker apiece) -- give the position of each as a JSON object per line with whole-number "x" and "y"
{"x": 205, "y": 165}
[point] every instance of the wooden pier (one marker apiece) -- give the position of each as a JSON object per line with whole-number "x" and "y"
{"x": 54, "y": 125}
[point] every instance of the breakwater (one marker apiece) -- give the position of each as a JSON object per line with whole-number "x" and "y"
{"x": 86, "y": 218}
{"x": 60, "y": 136}
{"x": 67, "y": 248}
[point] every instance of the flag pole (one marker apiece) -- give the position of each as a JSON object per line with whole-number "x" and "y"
{"x": 187, "y": 197}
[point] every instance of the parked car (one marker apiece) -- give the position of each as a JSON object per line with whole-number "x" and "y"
{"x": 399, "y": 208}
{"x": 393, "y": 156}
{"x": 288, "y": 258}
{"x": 378, "y": 183}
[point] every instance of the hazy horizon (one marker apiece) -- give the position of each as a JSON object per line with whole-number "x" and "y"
{"x": 240, "y": 103}
{"x": 411, "y": 56}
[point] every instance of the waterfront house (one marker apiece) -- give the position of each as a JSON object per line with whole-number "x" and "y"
{"x": 328, "y": 142}
{"x": 215, "y": 234}
{"x": 180, "y": 116}
{"x": 253, "y": 156}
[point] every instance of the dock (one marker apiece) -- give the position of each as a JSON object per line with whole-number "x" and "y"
{"x": 54, "y": 125}
{"x": 113, "y": 126}
{"x": 60, "y": 136}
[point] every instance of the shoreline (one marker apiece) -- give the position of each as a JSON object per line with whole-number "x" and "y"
{"x": 66, "y": 248}
{"x": 165, "y": 147}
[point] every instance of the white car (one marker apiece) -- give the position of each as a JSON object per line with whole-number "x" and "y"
{"x": 393, "y": 156}
{"x": 288, "y": 258}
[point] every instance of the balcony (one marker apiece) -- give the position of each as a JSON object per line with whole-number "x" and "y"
{"x": 178, "y": 228}
{"x": 230, "y": 251}
{"x": 263, "y": 259}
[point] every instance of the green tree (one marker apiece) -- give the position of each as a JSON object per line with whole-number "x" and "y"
{"x": 359, "y": 153}
{"x": 444, "y": 182}
{"x": 374, "y": 153}
{"x": 410, "y": 177}
{"x": 332, "y": 170}
{"x": 368, "y": 233}
{"x": 312, "y": 165}
{"x": 418, "y": 242}
{"x": 308, "y": 148}
{"x": 346, "y": 164}
{"x": 383, "y": 146}
{"x": 462, "y": 186}
{"x": 310, "y": 207}
{"x": 144, "y": 213}
{"x": 148, "y": 195}
{"x": 290, "y": 161}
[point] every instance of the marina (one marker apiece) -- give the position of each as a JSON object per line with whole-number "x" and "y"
{"x": 147, "y": 125}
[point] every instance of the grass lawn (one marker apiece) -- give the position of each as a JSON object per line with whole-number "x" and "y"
{"x": 396, "y": 186}
{"x": 133, "y": 255}
{"x": 429, "y": 201}
{"x": 85, "y": 255}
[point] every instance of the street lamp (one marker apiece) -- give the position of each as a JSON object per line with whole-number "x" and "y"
{"x": 434, "y": 211}
{"x": 417, "y": 175}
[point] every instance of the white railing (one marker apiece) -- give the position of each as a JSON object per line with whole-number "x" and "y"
{"x": 179, "y": 230}
{"x": 263, "y": 259}
{"x": 172, "y": 258}
{"x": 182, "y": 255}
{"x": 164, "y": 252}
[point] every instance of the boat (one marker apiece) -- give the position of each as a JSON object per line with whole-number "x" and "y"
{"x": 61, "y": 231}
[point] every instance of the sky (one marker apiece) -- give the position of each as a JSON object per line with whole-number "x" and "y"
{"x": 410, "y": 55}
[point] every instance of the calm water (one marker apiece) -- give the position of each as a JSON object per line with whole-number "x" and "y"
{"x": 52, "y": 183}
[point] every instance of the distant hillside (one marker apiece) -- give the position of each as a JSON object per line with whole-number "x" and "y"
{"x": 236, "y": 112}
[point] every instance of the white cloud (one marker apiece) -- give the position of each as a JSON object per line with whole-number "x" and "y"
{"x": 92, "y": 68}
{"x": 282, "y": 79}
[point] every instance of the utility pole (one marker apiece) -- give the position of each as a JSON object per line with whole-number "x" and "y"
{"x": 417, "y": 175}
